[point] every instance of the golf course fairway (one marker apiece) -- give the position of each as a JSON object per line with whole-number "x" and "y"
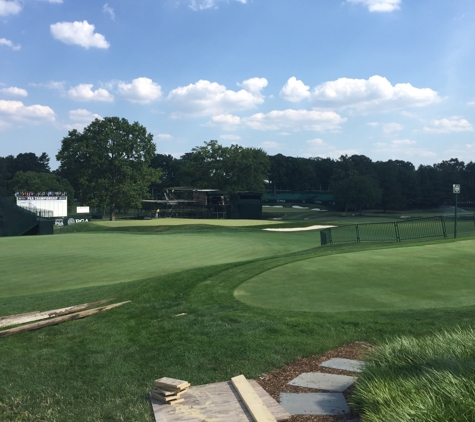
{"x": 39, "y": 264}
{"x": 418, "y": 277}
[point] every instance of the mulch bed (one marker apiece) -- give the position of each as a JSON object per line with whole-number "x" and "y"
{"x": 275, "y": 382}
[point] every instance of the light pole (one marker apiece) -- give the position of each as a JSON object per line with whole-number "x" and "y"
{"x": 456, "y": 192}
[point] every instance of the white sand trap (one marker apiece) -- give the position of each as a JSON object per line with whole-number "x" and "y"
{"x": 299, "y": 229}
{"x": 299, "y": 207}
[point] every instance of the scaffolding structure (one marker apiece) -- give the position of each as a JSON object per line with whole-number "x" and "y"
{"x": 187, "y": 202}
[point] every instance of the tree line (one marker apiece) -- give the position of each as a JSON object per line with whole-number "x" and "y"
{"x": 114, "y": 163}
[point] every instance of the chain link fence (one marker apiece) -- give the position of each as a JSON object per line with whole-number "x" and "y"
{"x": 420, "y": 228}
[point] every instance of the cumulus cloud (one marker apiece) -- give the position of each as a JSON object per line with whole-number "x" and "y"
{"x": 55, "y": 1}
{"x": 14, "y": 91}
{"x": 83, "y": 115}
{"x": 78, "y": 33}
{"x": 8, "y": 43}
{"x": 378, "y": 5}
{"x": 254, "y": 85}
{"x": 205, "y": 98}
{"x": 294, "y": 90}
{"x": 371, "y": 95}
{"x": 141, "y": 90}
{"x": 392, "y": 127}
{"x": 10, "y": 7}
{"x": 84, "y": 92}
{"x": 81, "y": 118}
{"x": 451, "y": 125}
{"x": 18, "y": 111}
{"x": 109, "y": 10}
{"x": 319, "y": 121}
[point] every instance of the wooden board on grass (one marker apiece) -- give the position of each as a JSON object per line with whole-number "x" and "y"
{"x": 253, "y": 402}
{"x": 171, "y": 384}
{"x": 214, "y": 403}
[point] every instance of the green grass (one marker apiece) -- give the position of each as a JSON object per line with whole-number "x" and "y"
{"x": 101, "y": 368}
{"x": 428, "y": 379}
{"x": 387, "y": 279}
{"x": 97, "y": 258}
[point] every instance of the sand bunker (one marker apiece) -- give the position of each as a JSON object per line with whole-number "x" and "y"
{"x": 299, "y": 229}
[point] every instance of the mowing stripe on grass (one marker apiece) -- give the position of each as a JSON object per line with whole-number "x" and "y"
{"x": 432, "y": 276}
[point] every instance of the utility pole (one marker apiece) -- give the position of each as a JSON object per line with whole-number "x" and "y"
{"x": 456, "y": 192}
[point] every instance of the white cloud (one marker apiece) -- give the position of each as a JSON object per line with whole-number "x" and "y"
{"x": 207, "y": 4}
{"x": 141, "y": 90}
{"x": 230, "y": 137}
{"x": 109, "y": 10}
{"x": 84, "y": 92}
{"x": 16, "y": 110}
{"x": 379, "y": 5}
{"x": 82, "y": 118}
{"x": 402, "y": 147}
{"x": 13, "y": 90}
{"x": 296, "y": 120}
{"x": 392, "y": 127}
{"x": 82, "y": 115}
{"x": 8, "y": 43}
{"x": 225, "y": 121}
{"x": 205, "y": 98}
{"x": 254, "y": 85}
{"x": 451, "y": 125}
{"x": 55, "y": 1}
{"x": 79, "y": 33}
{"x": 471, "y": 103}
{"x": 372, "y": 95}
{"x": 9, "y": 7}
{"x": 294, "y": 90}
{"x": 373, "y": 124}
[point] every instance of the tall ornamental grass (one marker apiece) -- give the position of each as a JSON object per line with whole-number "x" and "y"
{"x": 428, "y": 379}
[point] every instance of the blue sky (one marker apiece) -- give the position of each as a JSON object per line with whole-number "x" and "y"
{"x": 389, "y": 79}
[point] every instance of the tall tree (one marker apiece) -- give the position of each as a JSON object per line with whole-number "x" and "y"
{"x": 109, "y": 163}
{"x": 234, "y": 168}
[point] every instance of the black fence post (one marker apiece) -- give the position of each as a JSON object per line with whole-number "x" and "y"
{"x": 444, "y": 230}
{"x": 357, "y": 233}
{"x": 396, "y": 228}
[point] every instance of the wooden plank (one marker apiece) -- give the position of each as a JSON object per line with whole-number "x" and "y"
{"x": 171, "y": 383}
{"x": 58, "y": 320}
{"x": 253, "y": 402}
{"x": 217, "y": 402}
{"x": 163, "y": 399}
{"x": 37, "y": 315}
{"x": 168, "y": 392}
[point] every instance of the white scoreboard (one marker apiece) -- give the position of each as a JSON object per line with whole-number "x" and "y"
{"x": 56, "y": 203}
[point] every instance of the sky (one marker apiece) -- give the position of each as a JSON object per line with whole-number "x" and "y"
{"x": 389, "y": 79}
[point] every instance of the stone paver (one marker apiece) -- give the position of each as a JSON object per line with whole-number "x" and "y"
{"x": 322, "y": 381}
{"x": 314, "y": 403}
{"x": 344, "y": 364}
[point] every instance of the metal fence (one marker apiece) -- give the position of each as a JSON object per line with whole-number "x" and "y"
{"x": 420, "y": 228}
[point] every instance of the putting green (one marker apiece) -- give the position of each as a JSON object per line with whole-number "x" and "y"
{"x": 36, "y": 264}
{"x": 431, "y": 276}
{"x": 183, "y": 221}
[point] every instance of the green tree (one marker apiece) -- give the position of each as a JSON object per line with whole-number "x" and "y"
{"x": 234, "y": 168}
{"x": 109, "y": 163}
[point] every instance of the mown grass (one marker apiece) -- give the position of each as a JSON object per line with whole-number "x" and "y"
{"x": 426, "y": 379}
{"x": 101, "y": 368}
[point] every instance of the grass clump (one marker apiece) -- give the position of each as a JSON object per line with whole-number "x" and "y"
{"x": 429, "y": 379}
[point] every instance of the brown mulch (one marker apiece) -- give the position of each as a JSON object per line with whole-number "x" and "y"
{"x": 275, "y": 382}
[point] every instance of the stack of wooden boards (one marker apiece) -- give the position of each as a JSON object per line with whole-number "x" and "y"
{"x": 169, "y": 390}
